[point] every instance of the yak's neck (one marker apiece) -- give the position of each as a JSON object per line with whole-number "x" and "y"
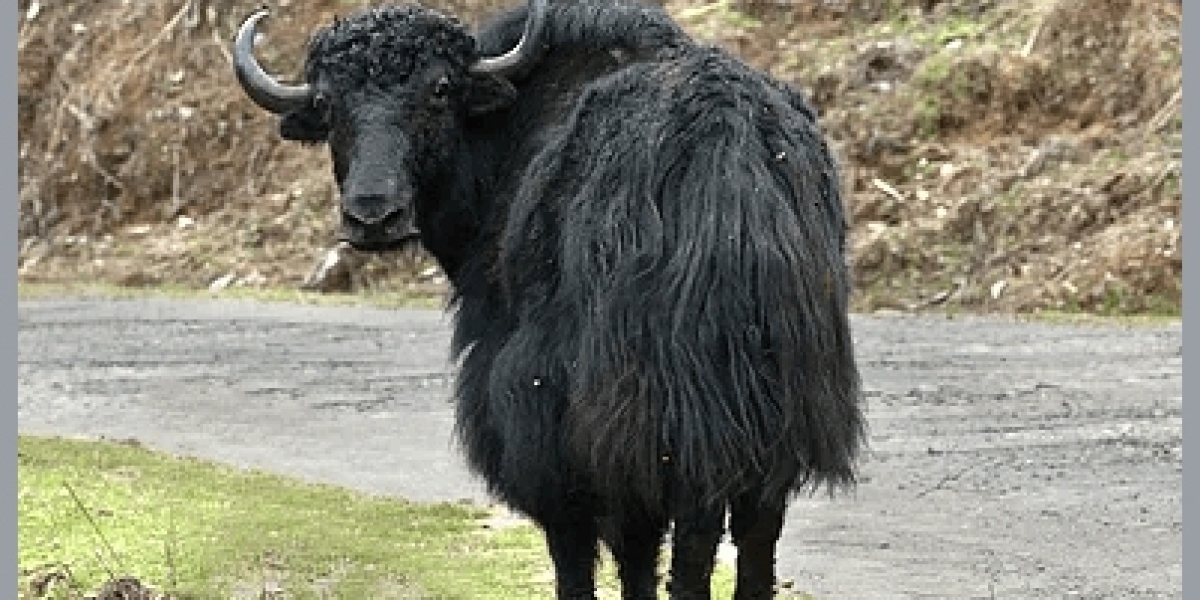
{"x": 470, "y": 202}
{"x": 452, "y": 217}
{"x": 463, "y": 208}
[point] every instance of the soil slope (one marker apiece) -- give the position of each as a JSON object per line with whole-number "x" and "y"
{"x": 999, "y": 155}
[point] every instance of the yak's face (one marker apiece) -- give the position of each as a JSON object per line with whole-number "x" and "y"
{"x": 389, "y": 90}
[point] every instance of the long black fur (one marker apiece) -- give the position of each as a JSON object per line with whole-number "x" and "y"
{"x": 674, "y": 263}
{"x": 647, "y": 256}
{"x": 702, "y": 278}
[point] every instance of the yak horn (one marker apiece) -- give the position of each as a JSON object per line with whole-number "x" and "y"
{"x": 526, "y": 50}
{"x": 263, "y": 89}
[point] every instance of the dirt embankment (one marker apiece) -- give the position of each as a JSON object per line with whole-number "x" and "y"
{"x": 998, "y": 156}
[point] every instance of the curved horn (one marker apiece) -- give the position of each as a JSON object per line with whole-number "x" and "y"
{"x": 526, "y": 49}
{"x": 263, "y": 89}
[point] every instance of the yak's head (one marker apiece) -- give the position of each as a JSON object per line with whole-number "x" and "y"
{"x": 388, "y": 90}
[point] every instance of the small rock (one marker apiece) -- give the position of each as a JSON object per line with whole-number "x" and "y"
{"x": 253, "y": 279}
{"x": 222, "y": 282}
{"x": 125, "y": 588}
{"x": 998, "y": 288}
{"x": 334, "y": 272}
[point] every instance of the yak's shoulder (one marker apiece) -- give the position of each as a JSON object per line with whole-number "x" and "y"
{"x": 693, "y": 84}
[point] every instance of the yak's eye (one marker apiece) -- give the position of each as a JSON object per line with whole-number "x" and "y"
{"x": 320, "y": 103}
{"x": 441, "y": 88}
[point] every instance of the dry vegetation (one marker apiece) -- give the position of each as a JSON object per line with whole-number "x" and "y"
{"x": 999, "y": 155}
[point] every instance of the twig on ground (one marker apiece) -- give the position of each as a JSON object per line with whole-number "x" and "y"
{"x": 1036, "y": 34}
{"x": 158, "y": 38}
{"x": 1162, "y": 176}
{"x": 888, "y": 189}
{"x": 1164, "y": 114}
{"x": 99, "y": 533}
{"x": 168, "y": 547}
{"x": 220, "y": 43}
{"x": 177, "y": 203}
{"x": 939, "y": 298}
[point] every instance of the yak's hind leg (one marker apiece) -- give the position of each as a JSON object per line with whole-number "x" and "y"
{"x": 755, "y": 527}
{"x": 571, "y": 538}
{"x": 697, "y": 531}
{"x": 635, "y": 542}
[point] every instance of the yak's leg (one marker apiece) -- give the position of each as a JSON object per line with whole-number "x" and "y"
{"x": 635, "y": 543}
{"x": 697, "y": 532}
{"x": 571, "y": 538}
{"x": 755, "y": 527}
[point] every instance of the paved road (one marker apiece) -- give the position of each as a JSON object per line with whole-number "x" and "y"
{"x": 1008, "y": 460}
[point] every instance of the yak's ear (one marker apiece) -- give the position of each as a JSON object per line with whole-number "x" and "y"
{"x": 304, "y": 125}
{"x": 487, "y": 93}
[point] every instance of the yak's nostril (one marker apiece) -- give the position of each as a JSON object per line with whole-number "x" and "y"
{"x": 375, "y": 211}
{"x": 367, "y": 209}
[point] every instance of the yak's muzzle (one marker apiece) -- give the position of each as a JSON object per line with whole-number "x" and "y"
{"x": 378, "y": 220}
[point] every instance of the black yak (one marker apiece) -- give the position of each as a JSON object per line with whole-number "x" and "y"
{"x": 646, "y": 243}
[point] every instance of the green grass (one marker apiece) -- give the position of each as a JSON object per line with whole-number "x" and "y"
{"x": 95, "y": 510}
{"x": 1081, "y": 318}
{"x": 380, "y": 299}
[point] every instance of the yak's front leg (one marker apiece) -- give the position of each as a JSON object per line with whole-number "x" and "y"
{"x": 571, "y": 538}
{"x": 755, "y": 526}
{"x": 697, "y": 532}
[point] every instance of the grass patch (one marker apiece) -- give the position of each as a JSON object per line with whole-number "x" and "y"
{"x": 1082, "y": 318}
{"x": 967, "y": 30}
{"x": 106, "y": 291}
{"x": 90, "y": 511}
{"x": 200, "y": 530}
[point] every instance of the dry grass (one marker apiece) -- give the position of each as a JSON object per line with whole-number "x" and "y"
{"x": 999, "y": 156}
{"x": 1014, "y": 158}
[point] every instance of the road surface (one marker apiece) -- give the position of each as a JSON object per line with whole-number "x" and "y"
{"x": 1008, "y": 460}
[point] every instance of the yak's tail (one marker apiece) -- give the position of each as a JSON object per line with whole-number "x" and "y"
{"x": 700, "y": 238}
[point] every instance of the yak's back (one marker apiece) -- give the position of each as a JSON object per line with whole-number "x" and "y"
{"x": 679, "y": 244}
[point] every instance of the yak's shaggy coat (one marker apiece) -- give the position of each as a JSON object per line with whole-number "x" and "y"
{"x": 674, "y": 296}
{"x": 647, "y": 253}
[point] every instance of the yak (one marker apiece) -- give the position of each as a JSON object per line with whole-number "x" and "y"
{"x": 645, "y": 241}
